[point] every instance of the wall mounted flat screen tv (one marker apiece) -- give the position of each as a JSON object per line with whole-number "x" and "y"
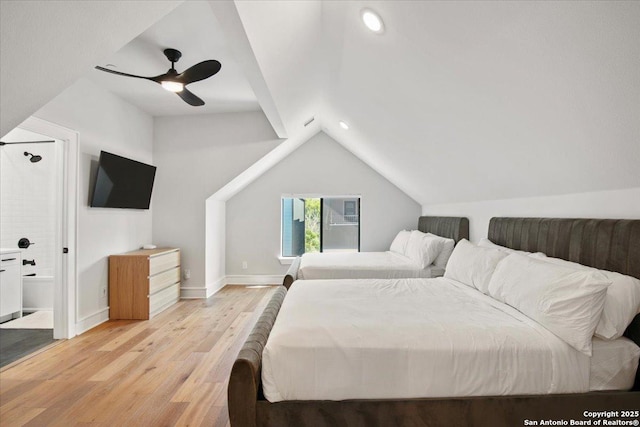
{"x": 122, "y": 183}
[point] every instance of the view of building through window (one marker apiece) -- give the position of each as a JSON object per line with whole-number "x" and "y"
{"x": 327, "y": 224}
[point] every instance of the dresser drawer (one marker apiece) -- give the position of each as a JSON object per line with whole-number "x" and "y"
{"x": 162, "y": 280}
{"x": 164, "y": 298}
{"x": 163, "y": 262}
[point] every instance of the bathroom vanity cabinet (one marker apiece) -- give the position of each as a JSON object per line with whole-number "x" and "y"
{"x": 10, "y": 283}
{"x": 143, "y": 283}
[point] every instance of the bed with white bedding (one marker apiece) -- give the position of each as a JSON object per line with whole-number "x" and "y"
{"x": 413, "y": 257}
{"x": 455, "y": 354}
{"x": 363, "y": 265}
{"x": 407, "y": 338}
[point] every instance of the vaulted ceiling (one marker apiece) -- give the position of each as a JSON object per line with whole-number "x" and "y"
{"x": 455, "y": 101}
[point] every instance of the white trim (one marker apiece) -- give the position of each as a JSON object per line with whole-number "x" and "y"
{"x": 214, "y": 287}
{"x": 254, "y": 279}
{"x": 200, "y": 292}
{"x": 66, "y": 274}
{"x": 286, "y": 260}
{"x": 193, "y": 292}
{"x": 92, "y": 320}
{"x": 34, "y": 309}
{"x": 319, "y": 196}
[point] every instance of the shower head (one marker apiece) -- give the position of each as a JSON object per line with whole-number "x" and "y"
{"x": 34, "y": 158}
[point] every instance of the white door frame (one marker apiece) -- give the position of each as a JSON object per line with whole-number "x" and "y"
{"x": 65, "y": 271}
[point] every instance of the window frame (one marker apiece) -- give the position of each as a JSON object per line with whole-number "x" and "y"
{"x": 286, "y": 260}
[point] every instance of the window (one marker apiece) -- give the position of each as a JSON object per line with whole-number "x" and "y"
{"x": 320, "y": 224}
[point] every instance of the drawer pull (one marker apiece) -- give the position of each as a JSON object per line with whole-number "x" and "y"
{"x": 9, "y": 259}
{"x": 2, "y": 271}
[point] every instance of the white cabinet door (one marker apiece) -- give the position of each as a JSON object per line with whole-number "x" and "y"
{"x": 10, "y": 289}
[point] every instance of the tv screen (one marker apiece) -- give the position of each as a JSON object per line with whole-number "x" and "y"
{"x": 122, "y": 183}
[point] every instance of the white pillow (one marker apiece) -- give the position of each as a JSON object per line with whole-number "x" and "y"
{"x": 621, "y": 304}
{"x": 422, "y": 248}
{"x": 486, "y": 243}
{"x": 445, "y": 253}
{"x": 472, "y": 265}
{"x": 399, "y": 244}
{"x": 566, "y": 301}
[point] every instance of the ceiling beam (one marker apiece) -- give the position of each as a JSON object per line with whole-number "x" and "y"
{"x": 229, "y": 19}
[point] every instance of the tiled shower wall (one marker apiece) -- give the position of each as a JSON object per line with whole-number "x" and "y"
{"x": 27, "y": 201}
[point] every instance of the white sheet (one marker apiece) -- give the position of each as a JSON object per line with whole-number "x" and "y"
{"x": 613, "y": 364}
{"x": 409, "y": 338}
{"x": 362, "y": 265}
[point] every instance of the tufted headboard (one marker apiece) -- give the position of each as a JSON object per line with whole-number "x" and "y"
{"x": 456, "y": 228}
{"x": 606, "y": 244}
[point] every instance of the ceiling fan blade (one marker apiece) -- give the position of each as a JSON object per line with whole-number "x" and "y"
{"x": 107, "y": 70}
{"x": 188, "y": 97}
{"x": 200, "y": 71}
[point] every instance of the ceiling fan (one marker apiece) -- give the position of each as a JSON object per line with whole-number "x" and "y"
{"x": 174, "y": 82}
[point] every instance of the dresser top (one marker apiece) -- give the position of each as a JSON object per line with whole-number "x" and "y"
{"x": 148, "y": 252}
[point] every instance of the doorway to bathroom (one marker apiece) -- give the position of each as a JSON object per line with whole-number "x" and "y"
{"x": 38, "y": 202}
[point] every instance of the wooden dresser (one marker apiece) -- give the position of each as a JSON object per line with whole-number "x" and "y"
{"x": 143, "y": 283}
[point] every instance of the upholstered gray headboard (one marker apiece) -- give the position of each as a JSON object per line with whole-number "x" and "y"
{"x": 606, "y": 244}
{"x": 451, "y": 227}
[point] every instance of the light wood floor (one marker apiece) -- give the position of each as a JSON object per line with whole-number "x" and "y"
{"x": 168, "y": 371}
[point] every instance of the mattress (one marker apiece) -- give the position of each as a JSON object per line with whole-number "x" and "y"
{"x": 410, "y": 338}
{"x": 362, "y": 265}
{"x": 613, "y": 364}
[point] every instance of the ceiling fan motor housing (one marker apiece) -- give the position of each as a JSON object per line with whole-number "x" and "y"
{"x": 172, "y": 55}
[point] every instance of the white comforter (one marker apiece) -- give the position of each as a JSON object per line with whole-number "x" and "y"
{"x": 362, "y": 265}
{"x": 409, "y": 338}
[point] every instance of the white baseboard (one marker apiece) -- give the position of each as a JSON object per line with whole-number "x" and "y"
{"x": 215, "y": 286}
{"x": 201, "y": 292}
{"x": 193, "y": 292}
{"x": 34, "y": 309}
{"x": 254, "y": 279}
{"x": 198, "y": 292}
{"x": 92, "y": 320}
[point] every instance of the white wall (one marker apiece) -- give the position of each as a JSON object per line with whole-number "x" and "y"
{"x": 618, "y": 204}
{"x": 196, "y": 156}
{"x": 320, "y": 166}
{"x": 27, "y": 198}
{"x": 104, "y": 122}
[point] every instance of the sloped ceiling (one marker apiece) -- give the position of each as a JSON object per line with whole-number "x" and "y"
{"x": 45, "y": 46}
{"x": 193, "y": 29}
{"x": 464, "y": 101}
{"x": 456, "y": 101}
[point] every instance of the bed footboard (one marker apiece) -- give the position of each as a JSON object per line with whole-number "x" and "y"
{"x": 292, "y": 273}
{"x": 244, "y": 382}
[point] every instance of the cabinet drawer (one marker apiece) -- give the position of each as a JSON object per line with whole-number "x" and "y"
{"x": 160, "y": 300}
{"x": 9, "y": 259}
{"x": 160, "y": 263}
{"x": 162, "y": 280}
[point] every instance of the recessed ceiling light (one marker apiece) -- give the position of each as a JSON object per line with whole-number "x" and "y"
{"x": 372, "y": 20}
{"x": 343, "y": 125}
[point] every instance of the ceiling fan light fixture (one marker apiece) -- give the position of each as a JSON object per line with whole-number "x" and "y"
{"x": 372, "y": 20}
{"x": 172, "y": 86}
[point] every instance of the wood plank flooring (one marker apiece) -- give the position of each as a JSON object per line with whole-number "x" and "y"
{"x": 169, "y": 371}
